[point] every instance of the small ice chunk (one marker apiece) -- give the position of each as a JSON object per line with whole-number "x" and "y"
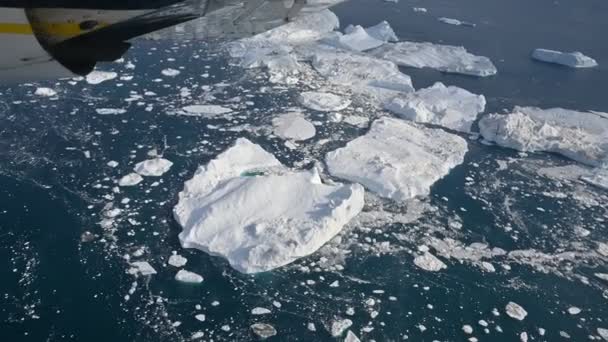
{"x": 420, "y": 9}
{"x": 293, "y": 126}
{"x": 263, "y": 330}
{"x": 97, "y": 77}
{"x": 580, "y": 136}
{"x": 574, "y": 310}
{"x": 260, "y": 311}
{"x": 177, "y": 260}
{"x": 205, "y": 110}
{"x": 338, "y": 326}
{"x": 248, "y": 208}
{"x": 351, "y": 337}
{"x": 603, "y": 276}
{"x": 45, "y": 92}
{"x": 429, "y": 262}
{"x": 155, "y": 167}
{"x": 603, "y": 333}
{"x": 383, "y": 31}
{"x": 571, "y": 59}
{"x": 357, "y": 39}
{"x": 170, "y": 72}
{"x": 112, "y": 163}
{"x": 323, "y": 102}
{"x": 515, "y": 311}
{"x": 130, "y": 180}
{"x": 467, "y": 329}
{"x": 446, "y": 58}
{"x": 450, "y": 107}
{"x": 110, "y": 111}
{"x": 311, "y": 327}
{"x": 200, "y": 317}
{"x": 142, "y": 267}
{"x": 451, "y": 21}
{"x": 188, "y": 277}
{"x": 397, "y": 160}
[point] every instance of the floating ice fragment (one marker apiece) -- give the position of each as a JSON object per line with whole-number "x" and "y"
{"x": 429, "y": 262}
{"x": 293, "y": 126}
{"x": 205, "y": 110}
{"x": 45, "y": 92}
{"x": 451, "y": 21}
{"x": 467, "y": 329}
{"x": 248, "y": 208}
{"x": 110, "y": 111}
{"x": 153, "y": 167}
{"x": 356, "y": 39}
{"x": 170, "y": 72}
{"x": 188, "y": 277}
{"x": 338, "y": 326}
{"x": 323, "y": 102}
{"x": 574, "y": 310}
{"x": 446, "y": 58}
{"x": 260, "y": 311}
{"x": 351, "y": 337}
{"x": 450, "y": 107}
{"x": 420, "y": 9}
{"x": 112, "y": 163}
{"x": 97, "y": 77}
{"x": 263, "y": 330}
{"x": 515, "y": 311}
{"x": 200, "y": 317}
{"x": 397, "y": 160}
{"x": 603, "y": 333}
{"x": 177, "y": 260}
{"x": 130, "y": 180}
{"x": 142, "y": 267}
{"x": 571, "y": 59}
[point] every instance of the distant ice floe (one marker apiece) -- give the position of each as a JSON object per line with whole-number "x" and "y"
{"x": 110, "y": 111}
{"x": 446, "y": 58}
{"x": 170, "y": 72}
{"x": 97, "y": 77}
{"x": 581, "y": 136}
{"x": 131, "y": 179}
{"x": 45, "y": 92}
{"x": 188, "y": 277}
{"x": 515, "y": 311}
{"x": 205, "y": 110}
{"x": 247, "y": 207}
{"x": 456, "y": 22}
{"x": 323, "y": 102}
{"x": 293, "y": 126}
{"x": 571, "y": 59}
{"x": 429, "y": 262}
{"x": 397, "y": 160}
{"x": 142, "y": 267}
{"x": 357, "y": 38}
{"x": 420, "y": 9}
{"x": 451, "y": 107}
{"x": 177, "y": 260}
{"x": 155, "y": 167}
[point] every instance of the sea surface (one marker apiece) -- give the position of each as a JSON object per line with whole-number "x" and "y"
{"x": 57, "y": 284}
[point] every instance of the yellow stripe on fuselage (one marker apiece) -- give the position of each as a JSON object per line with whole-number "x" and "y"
{"x": 10, "y": 28}
{"x": 64, "y": 30}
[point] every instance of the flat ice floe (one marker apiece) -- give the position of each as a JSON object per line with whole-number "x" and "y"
{"x": 247, "y": 207}
{"x": 456, "y": 22}
{"x": 515, "y": 311}
{"x": 45, "y": 92}
{"x": 188, "y": 277}
{"x": 323, "y": 102}
{"x": 131, "y": 179}
{"x": 446, "y": 58}
{"x": 155, "y": 167}
{"x": 450, "y": 107}
{"x": 429, "y": 262}
{"x": 110, "y": 111}
{"x": 293, "y": 126}
{"x": 571, "y": 59}
{"x": 205, "y": 110}
{"x": 97, "y": 77}
{"x": 398, "y": 160}
{"x": 581, "y": 136}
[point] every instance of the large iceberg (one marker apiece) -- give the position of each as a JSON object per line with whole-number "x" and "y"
{"x": 450, "y": 107}
{"x": 398, "y": 160}
{"x": 581, "y": 136}
{"x": 571, "y": 59}
{"x": 247, "y": 207}
{"x": 446, "y": 58}
{"x": 357, "y": 39}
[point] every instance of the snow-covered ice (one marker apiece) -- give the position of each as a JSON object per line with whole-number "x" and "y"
{"x": 177, "y": 260}
{"x": 205, "y": 110}
{"x": 263, "y": 330}
{"x": 452, "y": 21}
{"x": 429, "y": 262}
{"x": 97, "y": 77}
{"x": 338, "y": 326}
{"x": 293, "y": 126}
{"x": 188, "y": 277}
{"x": 248, "y": 208}
{"x": 351, "y": 337}
{"x": 515, "y": 311}
{"x": 45, "y": 92}
{"x": 142, "y": 267}
{"x": 130, "y": 180}
{"x": 446, "y": 58}
{"x": 323, "y": 102}
{"x": 155, "y": 167}
{"x": 398, "y": 160}
{"x": 110, "y": 111}
{"x": 571, "y": 59}
{"x": 581, "y": 136}
{"x": 450, "y": 107}
{"x": 260, "y": 311}
{"x": 170, "y": 72}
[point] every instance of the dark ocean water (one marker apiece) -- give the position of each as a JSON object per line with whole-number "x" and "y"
{"x": 54, "y": 287}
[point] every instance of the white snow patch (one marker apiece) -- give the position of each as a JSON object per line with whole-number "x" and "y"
{"x": 429, "y": 262}
{"x": 155, "y": 167}
{"x": 450, "y": 107}
{"x": 398, "y": 160}
{"x": 446, "y": 58}
{"x": 293, "y": 126}
{"x": 188, "y": 277}
{"x": 580, "y": 136}
{"x": 130, "y": 180}
{"x": 571, "y": 59}
{"x": 323, "y": 102}
{"x": 248, "y": 208}
{"x": 97, "y": 77}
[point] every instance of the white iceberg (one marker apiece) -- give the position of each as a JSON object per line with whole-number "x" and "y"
{"x": 397, "y": 160}
{"x": 45, "y": 92}
{"x": 293, "y": 126}
{"x": 323, "y": 102}
{"x": 188, "y": 277}
{"x": 357, "y": 39}
{"x": 97, "y": 77}
{"x": 155, "y": 167}
{"x": 451, "y": 107}
{"x": 205, "y": 110}
{"x": 247, "y": 207}
{"x": 131, "y": 179}
{"x": 446, "y": 58}
{"x": 571, "y": 59}
{"x": 581, "y": 136}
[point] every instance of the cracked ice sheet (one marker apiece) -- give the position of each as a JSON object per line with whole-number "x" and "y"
{"x": 398, "y": 160}
{"x": 446, "y": 58}
{"x": 248, "y": 208}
